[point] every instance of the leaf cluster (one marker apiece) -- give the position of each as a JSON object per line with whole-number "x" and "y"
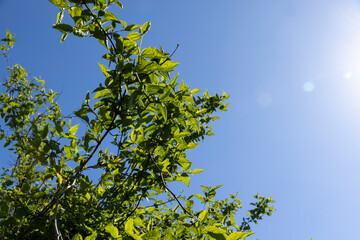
{"x": 135, "y": 130}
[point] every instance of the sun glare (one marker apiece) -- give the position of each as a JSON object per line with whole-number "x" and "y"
{"x": 347, "y": 75}
{"x": 309, "y": 87}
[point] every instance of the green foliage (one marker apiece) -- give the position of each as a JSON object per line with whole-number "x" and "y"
{"x": 135, "y": 131}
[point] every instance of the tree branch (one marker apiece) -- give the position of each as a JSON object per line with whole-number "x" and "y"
{"x": 164, "y": 185}
{"x": 58, "y": 235}
{"x": 98, "y": 23}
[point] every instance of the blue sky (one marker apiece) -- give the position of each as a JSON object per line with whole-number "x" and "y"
{"x": 292, "y": 68}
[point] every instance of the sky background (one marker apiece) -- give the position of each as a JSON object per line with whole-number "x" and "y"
{"x": 292, "y": 68}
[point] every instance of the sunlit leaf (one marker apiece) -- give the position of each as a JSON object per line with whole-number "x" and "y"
{"x": 152, "y": 52}
{"x": 77, "y": 237}
{"x": 102, "y": 93}
{"x": 64, "y": 28}
{"x": 145, "y": 28}
{"x": 111, "y": 17}
{"x": 132, "y": 27}
{"x": 203, "y": 214}
{"x": 60, "y": 3}
{"x": 134, "y": 36}
{"x": 104, "y": 70}
{"x": 73, "y": 129}
{"x": 92, "y": 236}
{"x": 215, "y": 232}
{"x": 197, "y": 171}
{"x": 114, "y": 232}
{"x": 238, "y": 235}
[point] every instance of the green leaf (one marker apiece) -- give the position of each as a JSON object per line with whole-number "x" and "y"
{"x": 104, "y": 70}
{"x": 152, "y": 53}
{"x": 9, "y": 38}
{"x": 163, "y": 111}
{"x": 202, "y": 215}
{"x": 216, "y": 187}
{"x": 45, "y": 132}
{"x": 25, "y": 187}
{"x": 119, "y": 42}
{"x": 58, "y": 128}
{"x": 129, "y": 226}
{"x": 181, "y": 134}
{"x": 169, "y": 66}
{"x": 199, "y": 196}
{"x": 82, "y": 113}
{"x": 111, "y": 17}
{"x": 92, "y": 236}
{"x": 77, "y": 237}
{"x": 59, "y": 18}
{"x": 197, "y": 171}
{"x": 123, "y": 23}
{"x": 132, "y": 27}
{"x": 153, "y": 88}
{"x": 191, "y": 145}
{"x": 119, "y": 4}
{"x": 64, "y": 28}
{"x": 60, "y": 178}
{"x": 133, "y": 36}
{"x": 87, "y": 196}
{"x": 103, "y": 2}
{"x": 214, "y": 232}
{"x": 232, "y": 220}
{"x": 152, "y": 235}
{"x": 8, "y": 34}
{"x": 63, "y": 37}
{"x": 67, "y": 151}
{"x": 184, "y": 179}
{"x": 133, "y": 136}
{"x": 114, "y": 232}
{"x": 169, "y": 236}
{"x": 129, "y": 229}
{"x": 238, "y": 235}
{"x": 7, "y": 142}
{"x": 201, "y": 111}
{"x": 73, "y": 129}
{"x": 147, "y": 66}
{"x": 60, "y": 3}
{"x": 183, "y": 87}
{"x": 185, "y": 164}
{"x": 76, "y": 12}
{"x": 138, "y": 222}
{"x": 102, "y": 93}
{"x": 195, "y": 91}
{"x": 145, "y": 28}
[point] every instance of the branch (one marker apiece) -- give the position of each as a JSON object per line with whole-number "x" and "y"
{"x": 168, "y": 201}
{"x": 136, "y": 207}
{"x": 169, "y": 58}
{"x": 61, "y": 191}
{"x": 58, "y": 235}
{"x": 177, "y": 45}
{"x": 102, "y": 29}
{"x": 136, "y": 181}
{"x": 164, "y": 185}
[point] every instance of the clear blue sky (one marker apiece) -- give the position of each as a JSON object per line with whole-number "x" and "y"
{"x": 292, "y": 68}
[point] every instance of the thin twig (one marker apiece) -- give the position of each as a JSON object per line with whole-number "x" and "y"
{"x": 136, "y": 207}
{"x": 136, "y": 181}
{"x": 169, "y": 58}
{"x": 177, "y": 45}
{"x": 164, "y": 185}
{"x": 102, "y": 29}
{"x": 168, "y": 201}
